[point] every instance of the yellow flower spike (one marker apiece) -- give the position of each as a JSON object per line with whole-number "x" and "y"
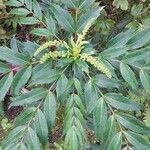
{"x": 65, "y": 45}
{"x": 74, "y": 45}
{"x": 52, "y": 55}
{"x": 80, "y": 38}
{"x": 87, "y": 27}
{"x": 97, "y": 64}
{"x": 46, "y": 45}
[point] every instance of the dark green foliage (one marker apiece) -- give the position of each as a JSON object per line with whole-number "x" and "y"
{"x": 91, "y": 100}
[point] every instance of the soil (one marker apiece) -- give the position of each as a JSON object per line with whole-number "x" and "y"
{"x": 12, "y": 112}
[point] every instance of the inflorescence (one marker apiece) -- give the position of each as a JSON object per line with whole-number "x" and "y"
{"x": 73, "y": 51}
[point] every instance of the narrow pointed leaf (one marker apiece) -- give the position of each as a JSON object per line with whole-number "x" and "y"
{"x": 28, "y": 4}
{"x": 14, "y": 135}
{"x": 91, "y": 96}
{"x": 121, "y": 39}
{"x": 50, "y": 109}
{"x": 28, "y": 20}
{"x": 5, "y": 84}
{"x": 61, "y": 87}
{"x": 20, "y": 79}
{"x": 20, "y": 11}
{"x": 32, "y": 140}
{"x": 25, "y": 116}
{"x": 137, "y": 140}
{"x": 128, "y": 75}
{"x": 40, "y": 126}
{"x": 30, "y": 97}
{"x": 133, "y": 124}
{"x": 4, "y": 68}
{"x": 145, "y": 80}
{"x": 37, "y": 9}
{"x": 41, "y": 32}
{"x": 139, "y": 39}
{"x": 116, "y": 142}
{"x": 100, "y": 118}
{"x": 64, "y": 20}
{"x": 13, "y": 57}
{"x": 73, "y": 143}
{"x": 123, "y": 103}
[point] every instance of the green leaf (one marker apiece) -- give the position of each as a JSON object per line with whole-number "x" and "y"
{"x": 120, "y": 102}
{"x": 23, "y": 147}
{"x": 15, "y": 3}
{"x": 145, "y": 79}
{"x": 103, "y": 82}
{"x": 90, "y": 96}
{"x": 113, "y": 52}
{"x": 14, "y": 44}
{"x": 30, "y": 97}
{"x": 136, "y": 10}
{"x": 79, "y": 136}
{"x": 133, "y": 124}
{"x": 40, "y": 126}
{"x": 4, "y": 68}
{"x": 41, "y": 32}
{"x": 83, "y": 4}
{"x": 49, "y": 76}
{"x": 25, "y": 116}
{"x": 100, "y": 118}
{"x": 19, "y": 11}
{"x": 79, "y": 103}
{"x": 78, "y": 86}
{"x": 61, "y": 87}
{"x": 146, "y": 22}
{"x": 13, "y": 57}
{"x": 28, "y": 4}
{"x": 83, "y": 20}
{"x": 28, "y": 20}
{"x": 116, "y": 142}
{"x": 79, "y": 115}
{"x": 64, "y": 20}
{"x": 73, "y": 141}
{"x": 51, "y": 25}
{"x": 139, "y": 39}
{"x": 12, "y": 146}
{"x": 110, "y": 127}
{"x": 20, "y": 79}
{"x": 128, "y": 75}
{"x": 5, "y": 84}
{"x": 70, "y": 3}
{"x": 32, "y": 140}
{"x": 30, "y": 47}
{"x": 14, "y": 135}
{"x": 121, "y": 39}
{"x": 50, "y": 109}
{"x": 122, "y": 4}
{"x": 37, "y": 9}
{"x": 137, "y": 140}
{"x": 137, "y": 55}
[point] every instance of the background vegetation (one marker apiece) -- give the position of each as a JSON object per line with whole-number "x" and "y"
{"x": 75, "y": 74}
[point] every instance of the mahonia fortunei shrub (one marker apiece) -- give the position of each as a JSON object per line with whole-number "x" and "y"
{"x": 89, "y": 84}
